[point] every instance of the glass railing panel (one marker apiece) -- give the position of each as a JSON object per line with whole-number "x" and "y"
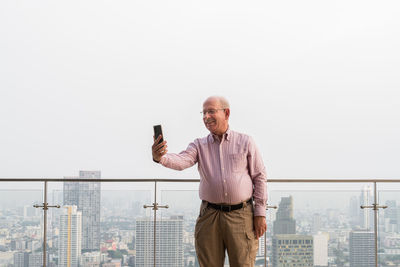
{"x": 184, "y": 204}
{"x": 175, "y": 239}
{"x": 326, "y": 215}
{"x": 318, "y": 223}
{"x": 21, "y": 228}
{"x": 97, "y": 223}
{"x": 389, "y": 224}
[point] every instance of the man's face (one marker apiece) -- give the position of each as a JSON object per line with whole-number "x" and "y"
{"x": 214, "y": 117}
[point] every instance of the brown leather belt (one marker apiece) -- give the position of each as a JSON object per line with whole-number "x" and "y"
{"x": 228, "y": 208}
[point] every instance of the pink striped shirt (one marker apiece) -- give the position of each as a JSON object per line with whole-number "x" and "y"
{"x": 231, "y": 170}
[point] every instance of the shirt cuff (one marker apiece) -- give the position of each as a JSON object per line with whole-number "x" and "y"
{"x": 162, "y": 160}
{"x": 259, "y": 210}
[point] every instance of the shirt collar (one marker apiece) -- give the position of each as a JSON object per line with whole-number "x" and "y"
{"x": 226, "y": 136}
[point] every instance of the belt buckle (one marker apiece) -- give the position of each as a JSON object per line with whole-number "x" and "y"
{"x": 225, "y": 208}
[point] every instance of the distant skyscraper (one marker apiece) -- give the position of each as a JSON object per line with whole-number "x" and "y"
{"x": 366, "y": 215}
{"x": 261, "y": 246}
{"x": 292, "y": 251}
{"x": 69, "y": 248}
{"x": 398, "y": 218}
{"x": 391, "y": 216}
{"x": 321, "y": 249}
{"x": 316, "y": 223}
{"x": 285, "y": 223}
{"x": 86, "y": 196}
{"x": 21, "y": 259}
{"x": 362, "y": 248}
{"x": 30, "y": 211}
{"x": 169, "y": 244}
{"x": 36, "y": 259}
{"x": 354, "y": 211}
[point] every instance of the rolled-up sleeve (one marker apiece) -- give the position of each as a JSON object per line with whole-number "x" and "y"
{"x": 259, "y": 177}
{"x": 185, "y": 159}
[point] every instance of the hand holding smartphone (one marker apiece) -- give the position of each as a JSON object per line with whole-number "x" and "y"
{"x": 159, "y": 147}
{"x": 157, "y": 133}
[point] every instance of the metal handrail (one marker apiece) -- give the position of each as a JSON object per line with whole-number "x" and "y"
{"x": 272, "y": 180}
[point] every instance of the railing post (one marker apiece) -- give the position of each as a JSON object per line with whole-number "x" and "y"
{"x": 375, "y": 206}
{"x": 155, "y": 207}
{"x": 45, "y": 207}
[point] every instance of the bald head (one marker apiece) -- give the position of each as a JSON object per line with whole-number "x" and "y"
{"x": 223, "y": 102}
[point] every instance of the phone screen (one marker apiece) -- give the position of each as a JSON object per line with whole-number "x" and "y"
{"x": 157, "y": 132}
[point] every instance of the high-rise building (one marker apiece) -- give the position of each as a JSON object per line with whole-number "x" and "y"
{"x": 362, "y": 248}
{"x": 261, "y": 246}
{"x": 69, "y": 247}
{"x": 169, "y": 243}
{"x": 354, "y": 211}
{"x": 367, "y": 215}
{"x": 36, "y": 259}
{"x": 320, "y": 242}
{"x": 398, "y": 218}
{"x": 21, "y": 259}
{"x": 285, "y": 223}
{"x": 30, "y": 211}
{"x": 86, "y": 196}
{"x": 391, "y": 216}
{"x": 292, "y": 250}
{"x": 316, "y": 223}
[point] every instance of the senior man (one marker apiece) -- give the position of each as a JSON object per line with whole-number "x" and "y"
{"x": 232, "y": 188}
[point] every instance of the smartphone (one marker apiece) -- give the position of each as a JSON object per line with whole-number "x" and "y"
{"x": 157, "y": 132}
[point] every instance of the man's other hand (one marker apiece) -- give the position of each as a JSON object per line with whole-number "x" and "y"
{"x": 260, "y": 226}
{"x": 159, "y": 150}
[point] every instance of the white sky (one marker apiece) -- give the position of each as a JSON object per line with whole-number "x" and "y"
{"x": 316, "y": 83}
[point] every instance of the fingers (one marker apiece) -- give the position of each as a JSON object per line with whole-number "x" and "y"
{"x": 162, "y": 150}
{"x": 260, "y": 226}
{"x": 260, "y": 232}
{"x": 160, "y": 147}
{"x": 156, "y": 140}
{"x": 156, "y": 146}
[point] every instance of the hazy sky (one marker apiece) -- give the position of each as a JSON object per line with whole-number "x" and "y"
{"x": 316, "y": 83}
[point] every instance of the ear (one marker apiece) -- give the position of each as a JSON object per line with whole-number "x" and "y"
{"x": 227, "y": 113}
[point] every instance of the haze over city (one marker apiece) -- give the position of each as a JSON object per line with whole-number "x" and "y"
{"x": 315, "y": 83}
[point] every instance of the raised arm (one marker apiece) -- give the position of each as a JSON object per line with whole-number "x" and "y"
{"x": 181, "y": 161}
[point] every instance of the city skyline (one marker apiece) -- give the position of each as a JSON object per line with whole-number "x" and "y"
{"x": 332, "y": 227}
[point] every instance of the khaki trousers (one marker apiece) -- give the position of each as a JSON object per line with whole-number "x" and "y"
{"x": 217, "y": 231}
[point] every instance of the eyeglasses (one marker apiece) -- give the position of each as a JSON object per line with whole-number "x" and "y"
{"x": 210, "y": 111}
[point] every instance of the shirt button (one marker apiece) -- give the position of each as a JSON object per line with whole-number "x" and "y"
{"x": 224, "y": 181}
{"x": 223, "y": 168}
{"x": 226, "y": 194}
